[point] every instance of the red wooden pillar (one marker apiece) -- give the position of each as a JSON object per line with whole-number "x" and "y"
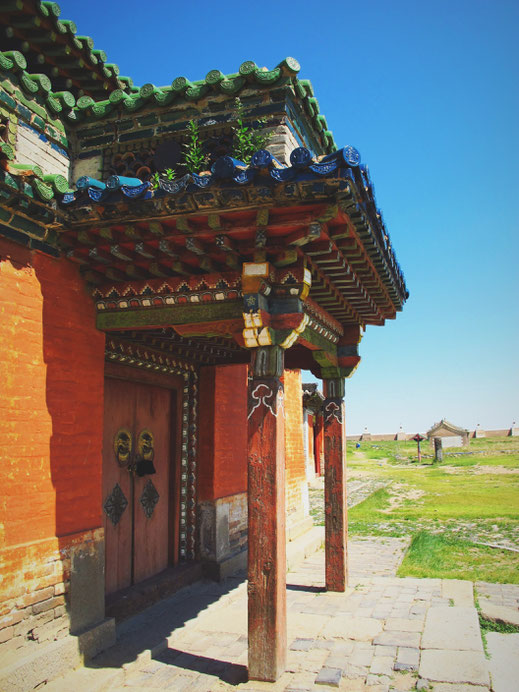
{"x": 336, "y": 518}
{"x": 266, "y": 493}
{"x": 319, "y": 444}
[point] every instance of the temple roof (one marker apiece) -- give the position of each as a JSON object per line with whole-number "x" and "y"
{"x": 346, "y": 241}
{"x": 215, "y": 84}
{"x": 313, "y": 223}
{"x": 444, "y": 423}
{"x": 53, "y": 48}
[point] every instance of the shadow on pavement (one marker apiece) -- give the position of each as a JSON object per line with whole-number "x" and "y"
{"x": 149, "y": 630}
{"x": 231, "y": 673}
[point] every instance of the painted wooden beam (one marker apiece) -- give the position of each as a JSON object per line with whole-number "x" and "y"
{"x": 336, "y": 519}
{"x": 168, "y": 316}
{"x": 266, "y": 502}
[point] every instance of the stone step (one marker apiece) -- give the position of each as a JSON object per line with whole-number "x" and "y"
{"x": 499, "y": 613}
{"x": 452, "y": 627}
{"x": 452, "y": 649}
{"x": 304, "y": 545}
{"x": 50, "y": 661}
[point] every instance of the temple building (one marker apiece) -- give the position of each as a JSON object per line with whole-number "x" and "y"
{"x": 450, "y": 435}
{"x": 171, "y": 259}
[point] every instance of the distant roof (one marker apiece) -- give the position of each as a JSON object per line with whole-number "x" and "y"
{"x": 444, "y": 423}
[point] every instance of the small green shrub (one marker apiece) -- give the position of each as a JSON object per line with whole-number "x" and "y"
{"x": 247, "y": 139}
{"x": 194, "y": 157}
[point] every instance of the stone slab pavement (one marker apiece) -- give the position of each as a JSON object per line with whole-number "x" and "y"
{"x": 383, "y": 633}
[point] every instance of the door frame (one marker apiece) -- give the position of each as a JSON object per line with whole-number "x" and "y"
{"x": 175, "y": 384}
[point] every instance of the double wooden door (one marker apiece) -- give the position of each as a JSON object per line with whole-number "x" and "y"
{"x": 137, "y": 471}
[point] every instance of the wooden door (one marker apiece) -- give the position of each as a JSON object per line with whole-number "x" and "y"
{"x": 136, "y": 508}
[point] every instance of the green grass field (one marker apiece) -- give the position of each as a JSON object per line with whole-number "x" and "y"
{"x": 436, "y": 555}
{"x": 448, "y": 509}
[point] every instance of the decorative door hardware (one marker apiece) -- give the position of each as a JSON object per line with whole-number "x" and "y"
{"x": 145, "y": 454}
{"x": 149, "y": 498}
{"x": 115, "y": 504}
{"x": 123, "y": 444}
{"x": 142, "y": 463}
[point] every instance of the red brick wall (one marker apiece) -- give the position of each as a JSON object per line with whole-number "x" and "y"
{"x": 51, "y": 417}
{"x": 295, "y": 456}
{"x": 222, "y": 468}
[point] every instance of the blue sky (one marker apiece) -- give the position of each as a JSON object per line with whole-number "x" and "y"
{"x": 428, "y": 93}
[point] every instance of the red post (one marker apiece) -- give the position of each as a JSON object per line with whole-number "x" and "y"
{"x": 336, "y": 518}
{"x": 319, "y": 443}
{"x": 266, "y": 493}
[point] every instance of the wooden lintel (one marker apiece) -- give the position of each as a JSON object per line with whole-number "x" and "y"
{"x": 221, "y": 328}
{"x": 165, "y": 316}
{"x": 315, "y": 341}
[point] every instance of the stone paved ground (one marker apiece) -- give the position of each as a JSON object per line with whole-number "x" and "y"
{"x": 383, "y": 633}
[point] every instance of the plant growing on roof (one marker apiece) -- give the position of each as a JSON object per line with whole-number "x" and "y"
{"x": 167, "y": 173}
{"x": 194, "y": 156}
{"x": 247, "y": 139}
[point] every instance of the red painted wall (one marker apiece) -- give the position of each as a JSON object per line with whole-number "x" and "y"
{"x": 222, "y": 467}
{"x": 51, "y": 409}
{"x": 295, "y": 455}
{"x": 222, "y": 461}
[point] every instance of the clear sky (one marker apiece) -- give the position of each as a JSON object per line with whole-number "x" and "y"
{"x": 428, "y": 93}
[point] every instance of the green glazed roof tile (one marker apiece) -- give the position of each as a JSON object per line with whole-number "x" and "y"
{"x": 52, "y": 8}
{"x": 40, "y": 31}
{"x": 28, "y": 84}
{"x": 44, "y": 191}
{"x": 194, "y": 93}
{"x": 36, "y": 170}
{"x": 182, "y": 88}
{"x": 307, "y": 86}
{"x": 267, "y": 76}
{"x": 58, "y": 182}
{"x": 180, "y": 84}
{"x": 214, "y": 77}
{"x": 247, "y": 68}
{"x": 54, "y": 105}
{"x": 7, "y": 150}
{"x": 232, "y": 85}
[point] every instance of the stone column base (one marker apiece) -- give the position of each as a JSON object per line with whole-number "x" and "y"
{"x": 227, "y": 567}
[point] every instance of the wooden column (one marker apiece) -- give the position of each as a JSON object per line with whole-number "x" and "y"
{"x": 336, "y": 518}
{"x": 319, "y": 443}
{"x": 266, "y": 493}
